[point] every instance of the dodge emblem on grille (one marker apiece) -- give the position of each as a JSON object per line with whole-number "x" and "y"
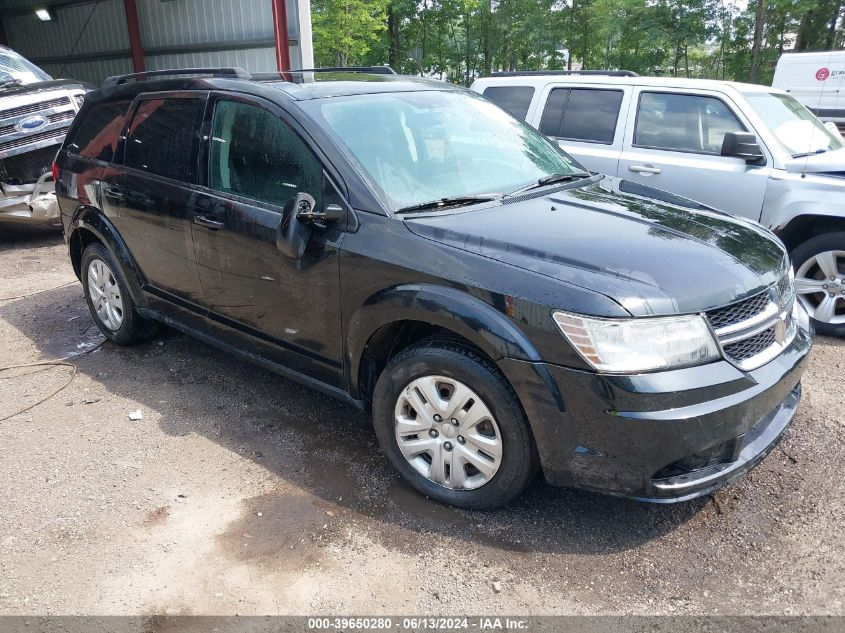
{"x": 32, "y": 123}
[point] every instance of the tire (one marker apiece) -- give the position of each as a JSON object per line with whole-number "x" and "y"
{"x": 817, "y": 285}
{"x": 498, "y": 440}
{"x": 102, "y": 277}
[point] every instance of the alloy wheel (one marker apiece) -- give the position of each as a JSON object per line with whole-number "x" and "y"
{"x": 104, "y": 292}
{"x": 820, "y": 286}
{"x": 447, "y": 433}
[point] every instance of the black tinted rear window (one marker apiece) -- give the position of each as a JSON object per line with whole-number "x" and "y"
{"x": 162, "y": 138}
{"x": 97, "y": 134}
{"x": 582, "y": 114}
{"x": 514, "y": 99}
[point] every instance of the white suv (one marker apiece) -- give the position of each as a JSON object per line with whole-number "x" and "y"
{"x": 749, "y": 150}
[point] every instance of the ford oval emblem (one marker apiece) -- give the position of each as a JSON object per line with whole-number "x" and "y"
{"x": 32, "y": 123}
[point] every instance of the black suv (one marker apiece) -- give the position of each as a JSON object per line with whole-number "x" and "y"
{"x": 411, "y": 248}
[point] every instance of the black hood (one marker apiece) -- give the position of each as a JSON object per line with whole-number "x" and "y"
{"x": 652, "y": 257}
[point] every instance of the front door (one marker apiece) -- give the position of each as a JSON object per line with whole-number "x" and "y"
{"x": 287, "y": 309}
{"x": 674, "y": 143}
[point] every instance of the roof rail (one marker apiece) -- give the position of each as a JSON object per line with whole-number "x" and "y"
{"x": 234, "y": 73}
{"x": 528, "y": 73}
{"x": 369, "y": 70}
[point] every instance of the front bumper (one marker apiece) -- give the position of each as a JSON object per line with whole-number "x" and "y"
{"x": 662, "y": 437}
{"x": 33, "y": 203}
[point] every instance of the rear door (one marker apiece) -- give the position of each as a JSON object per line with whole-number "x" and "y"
{"x": 585, "y": 121}
{"x": 287, "y": 310}
{"x": 674, "y": 140}
{"x": 149, "y": 197}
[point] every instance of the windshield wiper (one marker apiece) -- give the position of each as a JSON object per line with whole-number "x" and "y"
{"x": 550, "y": 180}
{"x": 444, "y": 203}
{"x": 813, "y": 153}
{"x": 9, "y": 83}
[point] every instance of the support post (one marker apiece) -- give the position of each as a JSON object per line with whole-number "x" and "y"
{"x": 306, "y": 44}
{"x": 134, "y": 29}
{"x": 280, "y": 32}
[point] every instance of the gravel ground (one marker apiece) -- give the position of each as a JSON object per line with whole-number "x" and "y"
{"x": 241, "y": 492}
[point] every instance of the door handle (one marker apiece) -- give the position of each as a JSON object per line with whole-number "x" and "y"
{"x": 115, "y": 194}
{"x": 644, "y": 169}
{"x": 208, "y": 222}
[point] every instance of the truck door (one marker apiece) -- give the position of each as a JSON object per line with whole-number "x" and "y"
{"x": 674, "y": 143}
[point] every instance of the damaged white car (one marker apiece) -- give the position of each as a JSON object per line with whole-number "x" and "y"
{"x": 35, "y": 114}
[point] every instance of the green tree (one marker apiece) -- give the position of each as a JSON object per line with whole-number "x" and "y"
{"x": 457, "y": 40}
{"x": 345, "y": 30}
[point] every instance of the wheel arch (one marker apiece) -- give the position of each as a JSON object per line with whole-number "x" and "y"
{"x": 399, "y": 316}
{"x": 806, "y": 226}
{"x": 89, "y": 225}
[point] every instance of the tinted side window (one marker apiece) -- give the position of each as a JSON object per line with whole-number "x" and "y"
{"x": 514, "y": 99}
{"x": 690, "y": 123}
{"x": 591, "y": 115}
{"x": 97, "y": 135}
{"x": 553, "y": 112}
{"x": 162, "y": 137}
{"x": 256, "y": 155}
{"x": 582, "y": 114}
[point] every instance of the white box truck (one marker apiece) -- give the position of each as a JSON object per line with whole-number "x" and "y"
{"x": 817, "y": 80}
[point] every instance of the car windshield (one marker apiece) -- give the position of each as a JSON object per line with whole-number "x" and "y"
{"x": 418, "y": 147}
{"x": 17, "y": 69}
{"x": 798, "y": 130}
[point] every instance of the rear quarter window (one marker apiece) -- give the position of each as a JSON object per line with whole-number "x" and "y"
{"x": 514, "y": 99}
{"x": 97, "y": 134}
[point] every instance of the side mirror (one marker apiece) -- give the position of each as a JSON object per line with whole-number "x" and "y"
{"x": 293, "y": 233}
{"x": 742, "y": 145}
{"x": 308, "y": 213}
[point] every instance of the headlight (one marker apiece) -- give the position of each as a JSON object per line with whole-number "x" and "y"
{"x": 639, "y": 344}
{"x": 79, "y": 99}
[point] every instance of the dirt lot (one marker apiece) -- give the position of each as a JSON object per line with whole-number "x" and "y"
{"x": 241, "y": 492}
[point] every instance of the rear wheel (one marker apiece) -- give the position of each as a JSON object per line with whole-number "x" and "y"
{"x": 108, "y": 298}
{"x": 452, "y": 426}
{"x": 820, "y": 281}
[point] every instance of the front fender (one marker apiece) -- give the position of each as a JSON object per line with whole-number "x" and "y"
{"x": 91, "y": 220}
{"x": 789, "y": 196}
{"x": 454, "y": 310}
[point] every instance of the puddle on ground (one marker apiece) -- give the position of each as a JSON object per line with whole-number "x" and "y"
{"x": 281, "y": 531}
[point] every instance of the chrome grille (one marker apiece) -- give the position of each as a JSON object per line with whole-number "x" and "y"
{"x": 34, "y": 107}
{"x": 58, "y": 112}
{"x": 753, "y": 331}
{"x": 50, "y": 135}
{"x": 57, "y": 117}
{"x": 738, "y": 312}
{"x": 750, "y": 347}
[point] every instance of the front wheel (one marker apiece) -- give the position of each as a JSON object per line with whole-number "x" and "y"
{"x": 820, "y": 281}
{"x": 452, "y": 426}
